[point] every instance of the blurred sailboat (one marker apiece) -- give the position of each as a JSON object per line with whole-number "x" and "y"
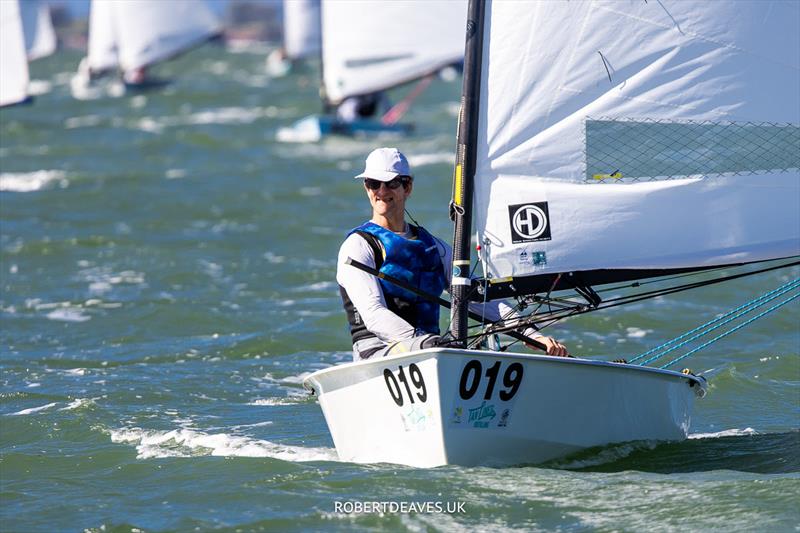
{"x": 302, "y": 36}
{"x": 370, "y": 47}
{"x": 13, "y": 60}
{"x": 37, "y": 28}
{"x": 129, "y": 37}
{"x": 40, "y": 39}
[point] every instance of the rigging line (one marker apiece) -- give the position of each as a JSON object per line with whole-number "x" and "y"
{"x": 547, "y": 297}
{"x": 613, "y": 302}
{"x": 468, "y": 295}
{"x": 579, "y": 310}
{"x": 780, "y": 290}
{"x": 740, "y": 326}
{"x": 704, "y": 329}
{"x": 661, "y": 279}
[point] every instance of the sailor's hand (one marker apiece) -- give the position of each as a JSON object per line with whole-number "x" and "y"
{"x": 553, "y": 347}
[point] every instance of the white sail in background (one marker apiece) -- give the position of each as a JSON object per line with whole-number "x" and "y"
{"x": 138, "y": 33}
{"x": 102, "y": 48}
{"x": 369, "y": 47}
{"x": 149, "y": 31}
{"x": 40, "y": 37}
{"x": 690, "y": 108}
{"x": 13, "y": 60}
{"x": 301, "y": 28}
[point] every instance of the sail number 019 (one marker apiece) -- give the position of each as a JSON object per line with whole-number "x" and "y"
{"x": 473, "y": 372}
{"x": 414, "y": 376}
{"x": 469, "y": 384}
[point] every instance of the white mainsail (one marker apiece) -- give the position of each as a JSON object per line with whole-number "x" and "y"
{"x": 368, "y": 47}
{"x": 40, "y": 37}
{"x": 102, "y": 48}
{"x": 690, "y": 108}
{"x": 301, "y": 28}
{"x": 13, "y": 61}
{"x": 137, "y": 33}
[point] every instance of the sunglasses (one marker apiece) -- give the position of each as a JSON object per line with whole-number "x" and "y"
{"x": 374, "y": 185}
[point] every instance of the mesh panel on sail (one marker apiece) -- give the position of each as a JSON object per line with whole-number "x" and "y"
{"x": 643, "y": 150}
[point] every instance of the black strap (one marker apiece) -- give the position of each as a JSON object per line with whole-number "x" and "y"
{"x": 375, "y": 244}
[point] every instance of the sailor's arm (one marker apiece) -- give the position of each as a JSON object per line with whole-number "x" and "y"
{"x": 365, "y": 292}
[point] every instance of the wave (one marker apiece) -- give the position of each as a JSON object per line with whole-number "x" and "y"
{"x": 725, "y": 433}
{"x": 33, "y": 409}
{"x": 152, "y": 444}
{"x": 32, "y": 181}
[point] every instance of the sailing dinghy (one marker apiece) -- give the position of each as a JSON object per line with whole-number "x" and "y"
{"x": 134, "y": 35}
{"x": 37, "y": 24}
{"x": 599, "y": 142}
{"x": 372, "y": 47}
{"x": 302, "y": 37}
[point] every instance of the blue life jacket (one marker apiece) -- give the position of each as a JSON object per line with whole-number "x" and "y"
{"x": 415, "y": 261}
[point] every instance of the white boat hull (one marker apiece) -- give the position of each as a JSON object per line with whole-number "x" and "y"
{"x": 445, "y": 406}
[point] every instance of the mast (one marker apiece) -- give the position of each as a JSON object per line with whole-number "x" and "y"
{"x": 327, "y": 107}
{"x": 461, "y": 206}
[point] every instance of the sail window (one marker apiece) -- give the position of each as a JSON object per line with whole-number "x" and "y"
{"x": 644, "y": 150}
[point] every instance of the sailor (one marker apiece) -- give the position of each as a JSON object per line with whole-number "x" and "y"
{"x": 384, "y": 318}
{"x": 362, "y": 107}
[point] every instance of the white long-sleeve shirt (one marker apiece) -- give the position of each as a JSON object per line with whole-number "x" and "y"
{"x": 367, "y": 296}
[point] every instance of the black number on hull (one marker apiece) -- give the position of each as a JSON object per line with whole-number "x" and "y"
{"x": 468, "y": 391}
{"x": 393, "y": 386}
{"x": 512, "y": 384}
{"x": 416, "y": 379}
{"x": 471, "y": 380}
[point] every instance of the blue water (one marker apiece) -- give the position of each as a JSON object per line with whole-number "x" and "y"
{"x": 168, "y": 280}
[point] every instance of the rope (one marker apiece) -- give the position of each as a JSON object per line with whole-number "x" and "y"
{"x": 743, "y": 324}
{"x": 719, "y": 321}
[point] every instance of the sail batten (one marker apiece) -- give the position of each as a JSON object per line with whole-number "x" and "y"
{"x": 637, "y": 137}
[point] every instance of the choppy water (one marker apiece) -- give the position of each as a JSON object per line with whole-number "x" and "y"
{"x": 167, "y": 282}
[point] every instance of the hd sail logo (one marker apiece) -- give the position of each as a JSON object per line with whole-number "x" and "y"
{"x": 529, "y": 222}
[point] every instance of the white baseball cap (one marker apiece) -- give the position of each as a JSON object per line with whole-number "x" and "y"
{"x": 385, "y": 164}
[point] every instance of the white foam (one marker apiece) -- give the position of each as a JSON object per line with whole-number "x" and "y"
{"x": 607, "y": 455}
{"x": 31, "y": 181}
{"x": 222, "y": 115}
{"x": 68, "y": 314}
{"x": 83, "y": 122}
{"x": 275, "y": 401}
{"x": 298, "y": 379}
{"x": 637, "y": 333}
{"x": 175, "y": 173}
{"x": 39, "y": 87}
{"x": 188, "y": 443}
{"x": 420, "y": 160}
{"x": 33, "y": 409}
{"x": 75, "y": 404}
{"x": 725, "y": 433}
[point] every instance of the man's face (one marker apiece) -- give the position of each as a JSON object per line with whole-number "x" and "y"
{"x": 385, "y": 200}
